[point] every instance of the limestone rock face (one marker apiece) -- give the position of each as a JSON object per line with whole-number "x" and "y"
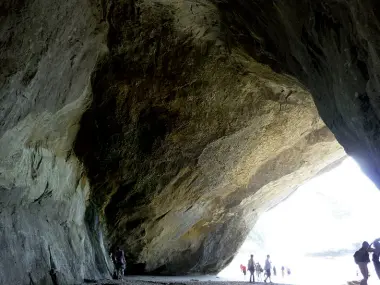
{"x": 189, "y": 139}
{"x": 49, "y": 231}
{"x": 168, "y": 126}
{"x": 332, "y": 47}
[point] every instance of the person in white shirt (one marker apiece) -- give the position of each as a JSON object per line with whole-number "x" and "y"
{"x": 267, "y": 268}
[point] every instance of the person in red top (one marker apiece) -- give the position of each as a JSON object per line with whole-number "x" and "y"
{"x": 243, "y": 269}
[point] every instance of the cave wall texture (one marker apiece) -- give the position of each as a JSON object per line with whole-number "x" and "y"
{"x": 49, "y": 231}
{"x": 168, "y": 126}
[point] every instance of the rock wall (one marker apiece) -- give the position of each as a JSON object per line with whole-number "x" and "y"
{"x": 188, "y": 139}
{"x": 50, "y": 233}
{"x": 332, "y": 47}
{"x": 171, "y": 125}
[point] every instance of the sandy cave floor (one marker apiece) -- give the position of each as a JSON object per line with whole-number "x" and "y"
{"x": 167, "y": 280}
{"x": 138, "y": 282}
{"x": 185, "y": 280}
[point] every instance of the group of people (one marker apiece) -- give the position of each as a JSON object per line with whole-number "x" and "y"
{"x": 256, "y": 268}
{"x": 118, "y": 258}
{"x": 361, "y": 258}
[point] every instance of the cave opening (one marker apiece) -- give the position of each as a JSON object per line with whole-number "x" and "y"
{"x": 316, "y": 230}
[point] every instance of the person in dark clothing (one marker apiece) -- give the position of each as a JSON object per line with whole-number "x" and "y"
{"x": 376, "y": 256}
{"x": 274, "y": 271}
{"x": 259, "y": 271}
{"x": 119, "y": 262}
{"x": 251, "y": 269}
{"x": 362, "y": 259}
{"x": 268, "y": 268}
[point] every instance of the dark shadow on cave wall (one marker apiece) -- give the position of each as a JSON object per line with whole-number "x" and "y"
{"x": 122, "y": 132}
{"x": 328, "y": 47}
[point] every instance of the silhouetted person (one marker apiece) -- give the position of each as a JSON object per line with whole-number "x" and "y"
{"x": 251, "y": 269}
{"x": 376, "y": 255}
{"x": 119, "y": 262}
{"x": 274, "y": 271}
{"x": 259, "y": 271}
{"x": 283, "y": 271}
{"x": 289, "y": 272}
{"x": 112, "y": 256}
{"x": 362, "y": 259}
{"x": 267, "y": 268}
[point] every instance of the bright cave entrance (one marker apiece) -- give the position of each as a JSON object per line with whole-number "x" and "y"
{"x": 316, "y": 231}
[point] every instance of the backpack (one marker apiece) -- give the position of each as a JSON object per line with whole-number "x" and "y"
{"x": 359, "y": 256}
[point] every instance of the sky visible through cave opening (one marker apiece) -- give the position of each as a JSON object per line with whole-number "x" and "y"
{"x": 316, "y": 231}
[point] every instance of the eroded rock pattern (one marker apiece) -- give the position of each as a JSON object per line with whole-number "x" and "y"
{"x": 171, "y": 124}
{"x": 333, "y": 48}
{"x": 49, "y": 231}
{"x": 187, "y": 140}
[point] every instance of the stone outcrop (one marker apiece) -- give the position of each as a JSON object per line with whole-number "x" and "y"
{"x": 50, "y": 233}
{"x": 187, "y": 141}
{"x": 332, "y": 47}
{"x": 168, "y": 126}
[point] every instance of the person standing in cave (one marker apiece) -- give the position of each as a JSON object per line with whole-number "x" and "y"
{"x": 120, "y": 262}
{"x": 376, "y": 256}
{"x": 243, "y": 269}
{"x": 112, "y": 256}
{"x": 251, "y": 269}
{"x": 259, "y": 271}
{"x": 267, "y": 268}
{"x": 361, "y": 258}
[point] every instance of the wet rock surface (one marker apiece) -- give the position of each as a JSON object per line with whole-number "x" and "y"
{"x": 168, "y": 126}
